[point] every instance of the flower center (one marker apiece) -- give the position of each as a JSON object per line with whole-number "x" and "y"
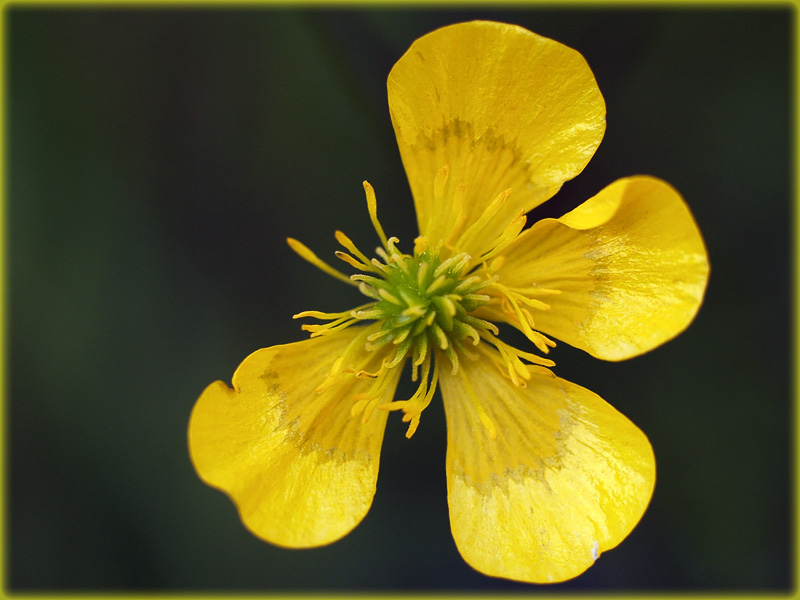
{"x": 422, "y": 305}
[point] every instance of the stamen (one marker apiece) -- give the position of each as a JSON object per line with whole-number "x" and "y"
{"x": 480, "y": 324}
{"x": 318, "y": 330}
{"x": 378, "y": 334}
{"x": 535, "y": 290}
{"x": 467, "y": 331}
{"x": 382, "y": 341}
{"x": 352, "y": 261}
{"x": 372, "y": 207}
{"x": 352, "y": 353}
{"x": 339, "y": 321}
{"x": 305, "y": 253}
{"x": 373, "y": 282}
{"x": 472, "y": 283}
{"x": 368, "y": 401}
{"x": 478, "y": 298}
{"x": 401, "y": 352}
{"x": 391, "y": 246}
{"x": 421, "y": 351}
{"x": 400, "y": 337}
{"x": 510, "y": 304}
{"x": 413, "y": 407}
{"x": 452, "y": 356}
{"x": 510, "y": 233}
{"x": 459, "y": 261}
{"x": 379, "y": 264}
{"x": 489, "y": 212}
{"x": 532, "y": 302}
{"x": 315, "y": 314}
{"x": 351, "y": 247}
{"x": 512, "y": 364}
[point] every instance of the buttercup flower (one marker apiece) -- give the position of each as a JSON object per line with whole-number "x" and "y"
{"x": 542, "y": 474}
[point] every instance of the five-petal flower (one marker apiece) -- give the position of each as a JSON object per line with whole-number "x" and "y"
{"x": 542, "y": 474}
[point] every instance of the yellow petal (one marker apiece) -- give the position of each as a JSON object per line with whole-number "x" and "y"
{"x": 566, "y": 477}
{"x": 300, "y": 468}
{"x": 503, "y": 108}
{"x": 629, "y": 263}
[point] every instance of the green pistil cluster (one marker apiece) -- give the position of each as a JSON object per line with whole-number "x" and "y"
{"x": 423, "y": 302}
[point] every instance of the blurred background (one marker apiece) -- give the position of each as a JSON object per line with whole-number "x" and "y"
{"x": 157, "y": 160}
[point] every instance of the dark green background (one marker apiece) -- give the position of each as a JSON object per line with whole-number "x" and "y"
{"x": 158, "y": 159}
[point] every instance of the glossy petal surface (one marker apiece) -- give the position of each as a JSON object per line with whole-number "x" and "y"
{"x": 566, "y": 478}
{"x": 630, "y": 265}
{"x": 300, "y": 468}
{"x": 504, "y": 108}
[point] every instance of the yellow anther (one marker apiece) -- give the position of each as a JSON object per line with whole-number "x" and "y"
{"x": 489, "y": 212}
{"x": 510, "y": 234}
{"x": 421, "y": 351}
{"x": 510, "y": 359}
{"x": 352, "y": 248}
{"x": 372, "y": 207}
{"x": 305, "y": 253}
{"x": 413, "y": 407}
{"x": 353, "y": 262}
{"x": 510, "y": 300}
{"x": 420, "y": 245}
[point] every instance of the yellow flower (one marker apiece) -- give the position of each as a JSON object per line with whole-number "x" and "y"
{"x": 542, "y": 474}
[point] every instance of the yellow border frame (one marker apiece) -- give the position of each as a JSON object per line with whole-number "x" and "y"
{"x": 538, "y": 591}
